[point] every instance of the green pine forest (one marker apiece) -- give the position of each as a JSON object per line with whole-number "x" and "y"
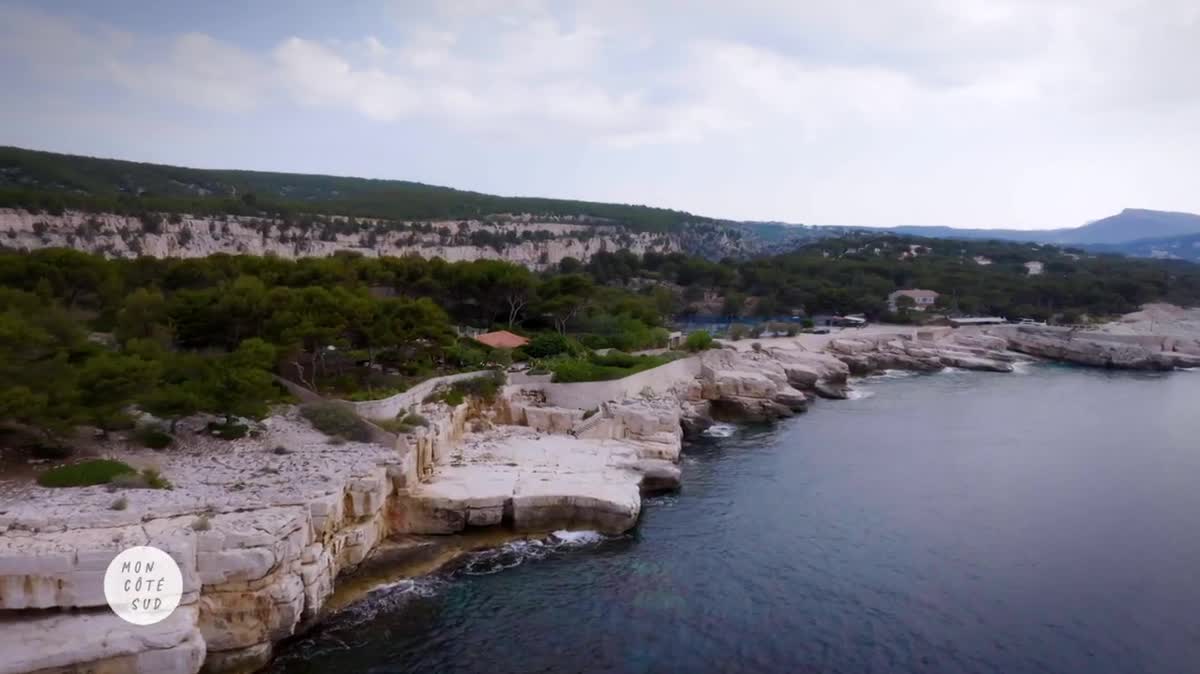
{"x": 83, "y": 338}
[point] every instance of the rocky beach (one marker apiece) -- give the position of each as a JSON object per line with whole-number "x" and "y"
{"x": 265, "y": 527}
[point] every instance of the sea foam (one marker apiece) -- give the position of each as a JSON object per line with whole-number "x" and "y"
{"x": 719, "y": 431}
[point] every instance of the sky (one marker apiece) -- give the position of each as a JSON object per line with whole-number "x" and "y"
{"x": 966, "y": 113}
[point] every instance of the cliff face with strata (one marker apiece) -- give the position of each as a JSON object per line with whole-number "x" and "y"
{"x": 531, "y": 241}
{"x": 262, "y": 527}
{"x": 260, "y": 538}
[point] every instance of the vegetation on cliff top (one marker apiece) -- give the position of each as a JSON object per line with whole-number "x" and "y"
{"x": 82, "y": 338}
{"x": 48, "y": 181}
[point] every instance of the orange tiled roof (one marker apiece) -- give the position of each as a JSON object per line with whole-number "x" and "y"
{"x": 501, "y": 339}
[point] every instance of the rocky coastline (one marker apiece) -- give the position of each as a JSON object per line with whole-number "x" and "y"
{"x": 264, "y": 527}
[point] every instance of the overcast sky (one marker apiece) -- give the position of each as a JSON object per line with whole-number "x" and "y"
{"x": 968, "y": 113}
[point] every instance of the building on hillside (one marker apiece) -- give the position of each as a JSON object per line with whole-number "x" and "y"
{"x": 501, "y": 339}
{"x": 922, "y": 299}
{"x": 1033, "y": 268}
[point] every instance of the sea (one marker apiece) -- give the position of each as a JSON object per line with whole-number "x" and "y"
{"x": 1040, "y": 522}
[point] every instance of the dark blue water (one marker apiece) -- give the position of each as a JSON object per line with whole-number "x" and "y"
{"x": 960, "y": 522}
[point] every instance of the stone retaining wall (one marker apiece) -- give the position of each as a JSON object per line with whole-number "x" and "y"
{"x": 587, "y": 395}
{"x": 388, "y": 408}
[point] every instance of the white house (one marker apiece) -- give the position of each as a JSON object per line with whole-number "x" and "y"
{"x": 1033, "y": 268}
{"x": 922, "y": 299}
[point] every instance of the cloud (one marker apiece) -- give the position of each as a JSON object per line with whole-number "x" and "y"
{"x": 198, "y": 70}
{"x": 623, "y": 75}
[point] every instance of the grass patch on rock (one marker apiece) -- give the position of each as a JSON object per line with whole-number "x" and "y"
{"x": 154, "y": 438}
{"x": 85, "y": 473}
{"x": 405, "y": 422}
{"x": 606, "y": 367}
{"x": 337, "y": 420}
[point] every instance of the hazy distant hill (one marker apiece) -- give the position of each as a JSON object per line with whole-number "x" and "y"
{"x": 1131, "y": 224}
{"x": 1185, "y": 247}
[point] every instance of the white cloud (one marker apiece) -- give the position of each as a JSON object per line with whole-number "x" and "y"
{"x": 601, "y": 72}
{"x": 197, "y": 70}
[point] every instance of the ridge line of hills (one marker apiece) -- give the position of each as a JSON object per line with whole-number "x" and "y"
{"x": 51, "y": 182}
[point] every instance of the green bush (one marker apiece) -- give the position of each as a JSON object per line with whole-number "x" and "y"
{"x": 698, "y": 341}
{"x": 614, "y": 359}
{"x": 85, "y": 474}
{"x": 602, "y": 368}
{"x": 337, "y": 420}
{"x": 153, "y": 437}
{"x": 547, "y": 344}
{"x": 739, "y": 331}
{"x": 483, "y": 387}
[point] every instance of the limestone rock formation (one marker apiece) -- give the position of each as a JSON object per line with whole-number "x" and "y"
{"x": 748, "y": 386}
{"x": 1095, "y": 350}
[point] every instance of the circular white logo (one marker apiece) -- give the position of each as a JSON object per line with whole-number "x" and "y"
{"x": 143, "y": 585}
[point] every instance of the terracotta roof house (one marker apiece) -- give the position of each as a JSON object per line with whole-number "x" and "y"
{"x": 501, "y": 339}
{"x": 922, "y": 299}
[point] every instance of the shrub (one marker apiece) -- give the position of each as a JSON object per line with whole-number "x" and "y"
{"x": 228, "y": 430}
{"x": 737, "y": 332}
{"x": 147, "y": 479}
{"x": 153, "y": 437}
{"x": 42, "y": 450}
{"x": 807, "y": 324}
{"x": 201, "y": 523}
{"x": 600, "y": 368}
{"x": 698, "y": 341}
{"x": 155, "y": 480}
{"x": 119, "y": 504}
{"x": 614, "y": 359}
{"x": 85, "y": 474}
{"x": 403, "y": 423}
{"x": 337, "y": 420}
{"x": 547, "y": 344}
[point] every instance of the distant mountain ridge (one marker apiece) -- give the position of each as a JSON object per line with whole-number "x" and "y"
{"x": 1131, "y": 224}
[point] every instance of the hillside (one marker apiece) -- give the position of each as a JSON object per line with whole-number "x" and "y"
{"x": 30, "y": 178}
{"x": 125, "y": 209}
